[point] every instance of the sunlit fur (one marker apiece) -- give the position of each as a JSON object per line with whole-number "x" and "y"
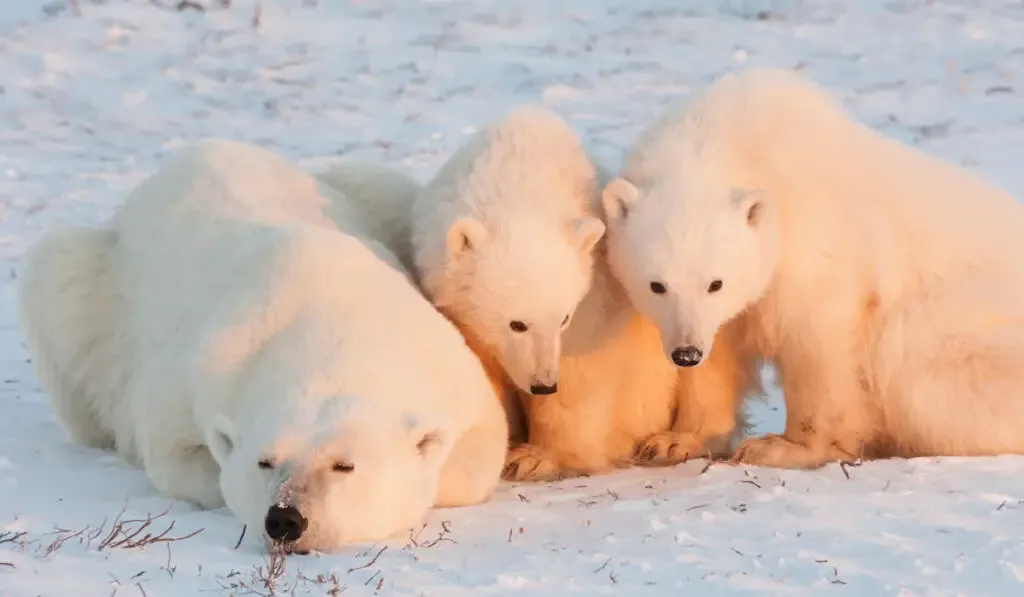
{"x": 517, "y": 197}
{"x": 237, "y": 310}
{"x": 885, "y": 284}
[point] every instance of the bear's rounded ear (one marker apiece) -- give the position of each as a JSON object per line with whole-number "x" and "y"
{"x": 751, "y": 203}
{"x": 464, "y": 235}
{"x": 431, "y": 437}
{"x": 617, "y": 198}
{"x": 586, "y": 232}
{"x": 220, "y": 438}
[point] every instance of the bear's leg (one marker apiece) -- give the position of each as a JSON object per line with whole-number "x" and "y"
{"x": 185, "y": 473}
{"x": 568, "y": 436}
{"x": 68, "y": 308}
{"x": 829, "y": 409}
{"x": 709, "y": 398}
{"x": 825, "y": 417}
{"x": 473, "y": 468}
{"x": 530, "y": 462}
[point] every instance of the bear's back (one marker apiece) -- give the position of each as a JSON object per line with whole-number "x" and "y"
{"x": 328, "y": 310}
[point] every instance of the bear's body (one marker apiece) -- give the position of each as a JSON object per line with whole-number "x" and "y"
{"x": 507, "y": 243}
{"x": 236, "y": 333}
{"x": 883, "y": 283}
{"x": 384, "y": 194}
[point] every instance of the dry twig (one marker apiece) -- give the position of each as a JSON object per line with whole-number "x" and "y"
{"x": 12, "y": 537}
{"x": 269, "y": 575}
{"x": 63, "y": 536}
{"x": 240, "y": 537}
{"x": 442, "y": 536}
{"x": 853, "y": 462}
{"x": 370, "y": 563}
{"x": 133, "y": 533}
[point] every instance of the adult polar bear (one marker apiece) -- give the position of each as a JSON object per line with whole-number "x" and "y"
{"x": 885, "y": 284}
{"x": 234, "y": 332}
{"x": 507, "y": 240}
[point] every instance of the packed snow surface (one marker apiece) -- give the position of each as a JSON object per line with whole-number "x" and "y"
{"x": 93, "y": 94}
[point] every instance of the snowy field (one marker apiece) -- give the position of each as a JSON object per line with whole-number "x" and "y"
{"x": 94, "y": 94}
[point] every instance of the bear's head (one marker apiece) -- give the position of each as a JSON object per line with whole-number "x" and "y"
{"x": 516, "y": 285}
{"x": 691, "y": 252}
{"x": 347, "y": 471}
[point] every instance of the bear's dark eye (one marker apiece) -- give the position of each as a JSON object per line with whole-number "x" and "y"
{"x": 565, "y": 321}
{"x": 715, "y": 286}
{"x": 658, "y": 288}
{"x": 265, "y": 464}
{"x": 517, "y": 326}
{"x": 343, "y": 467}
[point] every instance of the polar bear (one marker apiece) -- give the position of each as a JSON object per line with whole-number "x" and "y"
{"x": 884, "y": 284}
{"x": 507, "y": 242}
{"x": 236, "y": 333}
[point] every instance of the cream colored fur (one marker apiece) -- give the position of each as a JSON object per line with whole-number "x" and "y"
{"x": 886, "y": 285}
{"x": 236, "y": 311}
{"x": 621, "y": 402}
{"x": 510, "y": 229}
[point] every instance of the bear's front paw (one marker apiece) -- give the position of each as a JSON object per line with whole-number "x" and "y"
{"x": 527, "y": 462}
{"x": 776, "y": 451}
{"x": 668, "y": 448}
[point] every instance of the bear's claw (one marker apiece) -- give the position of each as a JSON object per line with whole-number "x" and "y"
{"x": 527, "y": 462}
{"x": 667, "y": 448}
{"x": 776, "y": 451}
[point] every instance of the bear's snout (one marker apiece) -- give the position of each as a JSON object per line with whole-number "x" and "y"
{"x": 539, "y": 389}
{"x": 285, "y": 524}
{"x": 687, "y": 356}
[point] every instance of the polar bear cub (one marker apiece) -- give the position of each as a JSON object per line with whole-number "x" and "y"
{"x": 885, "y": 284}
{"x": 236, "y": 333}
{"x": 507, "y": 242}
{"x": 485, "y": 223}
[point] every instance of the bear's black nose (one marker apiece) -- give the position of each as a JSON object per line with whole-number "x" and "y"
{"x": 687, "y": 356}
{"x": 285, "y": 524}
{"x": 538, "y": 389}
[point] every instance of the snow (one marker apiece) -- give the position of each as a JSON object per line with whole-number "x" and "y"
{"x": 93, "y": 97}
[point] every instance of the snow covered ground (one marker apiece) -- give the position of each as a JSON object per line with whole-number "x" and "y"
{"x": 91, "y": 99}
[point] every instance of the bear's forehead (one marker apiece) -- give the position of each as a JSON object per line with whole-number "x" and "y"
{"x": 533, "y": 273}
{"x": 336, "y": 424}
{"x": 309, "y": 444}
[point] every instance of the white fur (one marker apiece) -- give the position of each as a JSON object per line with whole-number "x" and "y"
{"x": 236, "y": 310}
{"x": 885, "y": 284}
{"x": 509, "y": 230}
{"x": 384, "y": 194}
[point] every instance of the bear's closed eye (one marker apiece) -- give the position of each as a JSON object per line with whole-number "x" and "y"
{"x": 265, "y": 464}
{"x": 343, "y": 467}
